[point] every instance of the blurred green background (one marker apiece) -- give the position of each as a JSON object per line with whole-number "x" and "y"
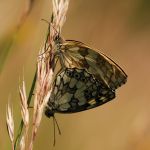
{"x": 118, "y": 28}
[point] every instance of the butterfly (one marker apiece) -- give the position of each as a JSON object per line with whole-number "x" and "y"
{"x": 87, "y": 79}
{"x": 76, "y": 90}
{"x": 73, "y": 53}
{"x": 83, "y": 70}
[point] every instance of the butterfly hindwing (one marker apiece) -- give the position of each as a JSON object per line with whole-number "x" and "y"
{"x": 77, "y": 90}
{"x": 77, "y": 54}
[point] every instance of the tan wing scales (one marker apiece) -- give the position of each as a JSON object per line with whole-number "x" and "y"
{"x": 77, "y": 54}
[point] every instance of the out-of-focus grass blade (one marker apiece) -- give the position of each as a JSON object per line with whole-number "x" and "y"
{"x": 5, "y": 46}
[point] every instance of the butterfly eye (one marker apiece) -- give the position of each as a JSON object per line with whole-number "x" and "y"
{"x": 57, "y": 38}
{"x": 48, "y": 113}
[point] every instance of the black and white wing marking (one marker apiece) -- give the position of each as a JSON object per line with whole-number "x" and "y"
{"x": 76, "y": 90}
{"x": 77, "y": 54}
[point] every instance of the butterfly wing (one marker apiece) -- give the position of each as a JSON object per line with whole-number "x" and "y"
{"x": 77, "y": 90}
{"x": 77, "y": 54}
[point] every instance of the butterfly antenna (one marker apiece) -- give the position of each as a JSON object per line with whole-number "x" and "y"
{"x": 46, "y": 21}
{"x": 59, "y": 131}
{"x": 54, "y": 131}
{"x": 57, "y": 31}
{"x": 51, "y": 25}
{"x": 47, "y": 37}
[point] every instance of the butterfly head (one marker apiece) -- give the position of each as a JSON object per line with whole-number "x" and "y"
{"x": 49, "y": 112}
{"x": 58, "y": 40}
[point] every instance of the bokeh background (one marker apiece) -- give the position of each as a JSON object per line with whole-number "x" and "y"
{"x": 118, "y": 28}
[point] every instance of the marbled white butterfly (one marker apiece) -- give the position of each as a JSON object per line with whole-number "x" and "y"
{"x": 88, "y": 78}
{"x": 77, "y": 90}
{"x": 76, "y": 54}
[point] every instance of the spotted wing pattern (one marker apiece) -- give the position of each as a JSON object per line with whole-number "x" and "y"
{"x": 77, "y": 54}
{"x": 77, "y": 90}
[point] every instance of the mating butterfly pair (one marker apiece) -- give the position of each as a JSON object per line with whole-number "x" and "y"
{"x": 88, "y": 79}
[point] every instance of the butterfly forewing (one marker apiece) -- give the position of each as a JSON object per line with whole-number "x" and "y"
{"x": 77, "y": 54}
{"x": 76, "y": 90}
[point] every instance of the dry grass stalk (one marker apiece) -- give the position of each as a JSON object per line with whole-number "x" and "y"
{"x": 24, "y": 113}
{"x": 44, "y": 67}
{"x": 10, "y": 124}
{"x": 22, "y": 143}
{"x": 24, "y": 105}
{"x": 43, "y": 81}
{"x": 41, "y": 96}
{"x": 60, "y": 8}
